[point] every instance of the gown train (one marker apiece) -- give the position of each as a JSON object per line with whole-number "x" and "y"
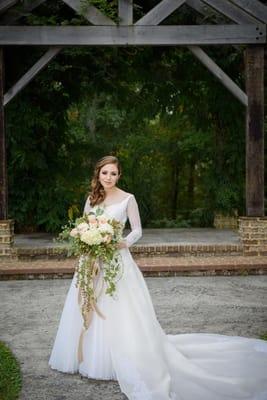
{"x": 131, "y": 347}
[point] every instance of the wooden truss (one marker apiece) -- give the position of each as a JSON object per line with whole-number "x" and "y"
{"x": 146, "y": 31}
{"x": 245, "y": 24}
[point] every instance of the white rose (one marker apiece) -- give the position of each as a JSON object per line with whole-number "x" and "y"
{"x": 91, "y": 237}
{"x": 102, "y": 219}
{"x": 106, "y": 228}
{"x": 82, "y": 227}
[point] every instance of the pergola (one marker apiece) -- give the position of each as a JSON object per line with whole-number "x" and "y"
{"x": 244, "y": 24}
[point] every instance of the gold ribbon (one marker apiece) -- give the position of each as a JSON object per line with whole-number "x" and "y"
{"x": 87, "y": 310}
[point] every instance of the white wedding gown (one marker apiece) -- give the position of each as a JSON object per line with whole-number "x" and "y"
{"x": 130, "y": 346}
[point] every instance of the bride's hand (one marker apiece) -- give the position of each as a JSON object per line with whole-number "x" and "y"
{"x": 122, "y": 245}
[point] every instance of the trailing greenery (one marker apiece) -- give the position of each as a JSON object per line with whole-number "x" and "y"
{"x": 179, "y": 134}
{"x": 10, "y": 374}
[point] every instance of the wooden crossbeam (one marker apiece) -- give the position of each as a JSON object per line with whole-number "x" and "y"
{"x": 30, "y": 74}
{"x": 132, "y": 36}
{"x": 160, "y": 12}
{"x": 253, "y": 7}
{"x": 92, "y": 14}
{"x": 202, "y": 8}
{"x": 6, "y": 4}
{"x": 231, "y": 11}
{"x": 12, "y": 16}
{"x": 125, "y": 12}
{"x": 236, "y": 15}
{"x": 219, "y": 74}
{"x": 209, "y": 63}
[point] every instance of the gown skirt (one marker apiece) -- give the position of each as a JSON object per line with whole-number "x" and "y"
{"x": 130, "y": 346}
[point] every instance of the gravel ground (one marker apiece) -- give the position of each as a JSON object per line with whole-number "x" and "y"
{"x": 30, "y": 312}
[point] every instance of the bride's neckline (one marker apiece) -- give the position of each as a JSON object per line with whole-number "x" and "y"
{"x": 113, "y": 204}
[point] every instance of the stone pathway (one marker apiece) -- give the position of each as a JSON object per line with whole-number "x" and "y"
{"x": 30, "y": 312}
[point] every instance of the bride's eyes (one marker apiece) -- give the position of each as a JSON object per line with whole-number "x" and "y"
{"x": 105, "y": 173}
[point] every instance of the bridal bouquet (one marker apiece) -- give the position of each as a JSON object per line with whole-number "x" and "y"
{"x": 93, "y": 238}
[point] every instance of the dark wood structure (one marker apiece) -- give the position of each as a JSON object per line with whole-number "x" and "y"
{"x": 245, "y": 24}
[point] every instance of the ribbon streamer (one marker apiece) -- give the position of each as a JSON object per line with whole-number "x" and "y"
{"x": 87, "y": 310}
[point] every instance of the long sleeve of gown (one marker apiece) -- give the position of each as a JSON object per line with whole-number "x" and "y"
{"x": 135, "y": 222}
{"x": 87, "y": 206}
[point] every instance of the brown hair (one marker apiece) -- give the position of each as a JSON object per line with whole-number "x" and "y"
{"x": 97, "y": 194}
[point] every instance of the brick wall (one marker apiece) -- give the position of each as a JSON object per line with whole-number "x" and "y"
{"x": 253, "y": 233}
{"x": 225, "y": 222}
{"x": 6, "y": 237}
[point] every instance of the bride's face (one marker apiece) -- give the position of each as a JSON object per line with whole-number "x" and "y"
{"x": 108, "y": 176}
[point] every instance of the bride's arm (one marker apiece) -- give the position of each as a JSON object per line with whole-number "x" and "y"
{"x": 135, "y": 223}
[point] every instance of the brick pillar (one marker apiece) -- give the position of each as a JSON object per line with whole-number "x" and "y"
{"x": 6, "y": 237}
{"x": 253, "y": 233}
{"x": 225, "y": 221}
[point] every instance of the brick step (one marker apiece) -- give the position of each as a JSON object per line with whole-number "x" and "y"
{"x": 187, "y": 249}
{"x": 150, "y": 266}
{"x": 151, "y": 250}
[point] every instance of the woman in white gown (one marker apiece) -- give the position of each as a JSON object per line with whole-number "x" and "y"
{"x": 130, "y": 346}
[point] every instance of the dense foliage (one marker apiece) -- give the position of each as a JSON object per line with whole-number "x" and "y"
{"x": 179, "y": 134}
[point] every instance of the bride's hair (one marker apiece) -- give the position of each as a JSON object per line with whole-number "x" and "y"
{"x": 97, "y": 193}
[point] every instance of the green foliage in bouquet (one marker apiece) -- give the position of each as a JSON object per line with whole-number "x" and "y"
{"x": 94, "y": 238}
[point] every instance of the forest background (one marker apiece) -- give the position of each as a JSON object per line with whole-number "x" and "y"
{"x": 178, "y": 133}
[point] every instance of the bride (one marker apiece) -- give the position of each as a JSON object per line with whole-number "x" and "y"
{"x": 130, "y": 346}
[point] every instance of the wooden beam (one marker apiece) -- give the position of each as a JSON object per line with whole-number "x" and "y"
{"x": 30, "y": 74}
{"x": 92, "y": 14}
{"x": 254, "y": 60}
{"x": 11, "y": 16}
{"x": 219, "y": 74}
{"x": 253, "y": 7}
{"x": 6, "y": 4}
{"x": 132, "y": 36}
{"x": 125, "y": 12}
{"x": 3, "y": 158}
{"x": 231, "y": 11}
{"x": 160, "y": 12}
{"x": 203, "y": 9}
{"x": 198, "y": 52}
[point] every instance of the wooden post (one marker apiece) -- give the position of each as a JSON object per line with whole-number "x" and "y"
{"x": 3, "y": 164}
{"x": 254, "y": 60}
{"x": 125, "y": 12}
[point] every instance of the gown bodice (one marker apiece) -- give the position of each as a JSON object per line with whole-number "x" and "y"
{"x": 122, "y": 210}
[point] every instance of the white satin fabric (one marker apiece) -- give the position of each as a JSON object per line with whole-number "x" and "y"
{"x": 131, "y": 347}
